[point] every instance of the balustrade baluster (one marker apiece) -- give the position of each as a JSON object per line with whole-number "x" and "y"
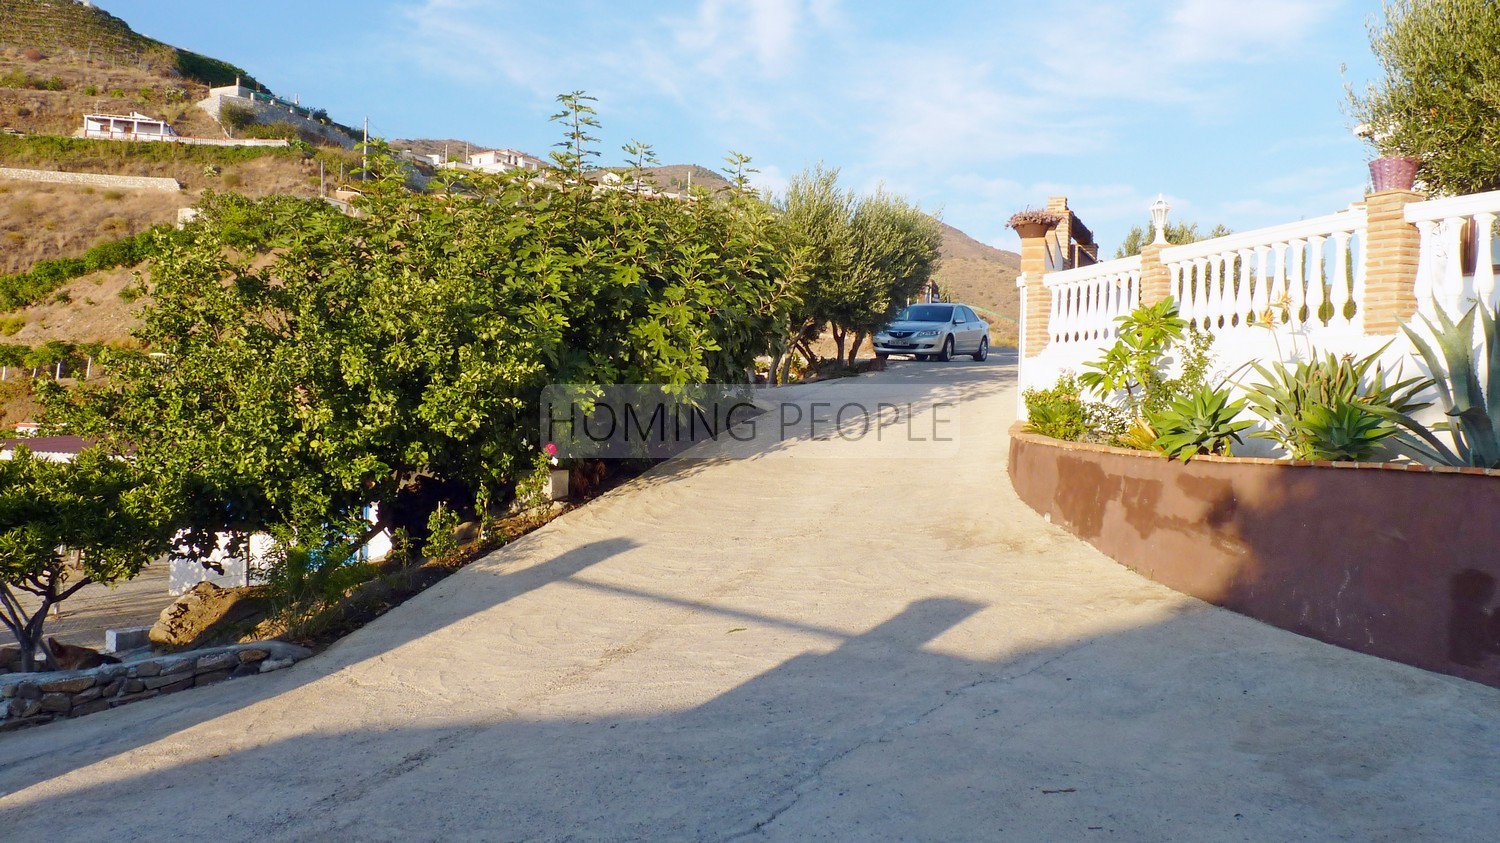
{"x": 1453, "y": 268}
{"x": 1317, "y": 295}
{"x": 1426, "y": 288}
{"x": 1243, "y": 300}
{"x": 1178, "y": 286}
{"x": 1204, "y": 293}
{"x": 1295, "y": 282}
{"x": 1094, "y": 306}
{"x": 1339, "y": 283}
{"x": 1223, "y": 293}
{"x": 1280, "y": 298}
{"x": 1059, "y": 296}
{"x": 1262, "y": 300}
{"x": 1484, "y": 268}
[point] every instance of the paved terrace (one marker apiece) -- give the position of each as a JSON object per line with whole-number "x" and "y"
{"x": 791, "y": 648}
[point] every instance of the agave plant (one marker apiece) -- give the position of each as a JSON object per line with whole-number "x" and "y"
{"x": 1347, "y": 432}
{"x": 1201, "y": 422}
{"x": 1333, "y": 407}
{"x": 1473, "y": 409}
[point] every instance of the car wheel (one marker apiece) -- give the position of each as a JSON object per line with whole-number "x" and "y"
{"x": 881, "y": 355}
{"x": 984, "y": 350}
{"x": 947, "y": 353}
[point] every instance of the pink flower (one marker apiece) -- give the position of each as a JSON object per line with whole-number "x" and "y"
{"x": 550, "y": 449}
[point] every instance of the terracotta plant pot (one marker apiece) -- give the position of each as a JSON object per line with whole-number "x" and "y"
{"x": 1393, "y": 173}
{"x": 1028, "y": 230}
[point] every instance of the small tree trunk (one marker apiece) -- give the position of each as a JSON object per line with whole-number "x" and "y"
{"x": 838, "y": 340}
{"x": 859, "y": 340}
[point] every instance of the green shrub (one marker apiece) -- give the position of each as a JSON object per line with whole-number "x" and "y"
{"x": 440, "y": 526}
{"x": 90, "y": 90}
{"x": 1058, "y": 412}
{"x": 236, "y": 118}
{"x": 1135, "y": 367}
{"x": 17, "y": 291}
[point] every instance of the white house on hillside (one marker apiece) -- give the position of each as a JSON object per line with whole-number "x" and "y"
{"x": 136, "y": 127}
{"x": 501, "y": 160}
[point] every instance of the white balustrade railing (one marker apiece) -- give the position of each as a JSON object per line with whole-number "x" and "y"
{"x": 1304, "y": 274}
{"x": 1456, "y": 265}
{"x": 1087, "y": 300}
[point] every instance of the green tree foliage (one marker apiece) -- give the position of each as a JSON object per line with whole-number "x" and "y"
{"x": 65, "y": 525}
{"x": 304, "y": 363}
{"x": 865, "y": 257}
{"x": 1440, "y": 99}
{"x": 1177, "y": 233}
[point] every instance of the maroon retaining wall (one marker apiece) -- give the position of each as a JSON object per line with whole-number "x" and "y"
{"x": 1397, "y": 563}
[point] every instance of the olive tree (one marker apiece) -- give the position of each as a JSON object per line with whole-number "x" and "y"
{"x": 1439, "y": 101}
{"x": 1177, "y": 233}
{"x": 863, "y": 258}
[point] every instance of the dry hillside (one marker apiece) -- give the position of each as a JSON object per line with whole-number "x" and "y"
{"x": 985, "y": 278}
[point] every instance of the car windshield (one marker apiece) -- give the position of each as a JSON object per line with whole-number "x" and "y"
{"x": 926, "y": 313}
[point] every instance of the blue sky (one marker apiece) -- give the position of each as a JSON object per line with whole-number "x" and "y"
{"x": 973, "y": 109}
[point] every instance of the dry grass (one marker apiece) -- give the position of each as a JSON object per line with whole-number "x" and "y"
{"x": 17, "y": 404}
{"x": 115, "y": 90}
{"x": 42, "y": 221}
{"x": 87, "y": 309}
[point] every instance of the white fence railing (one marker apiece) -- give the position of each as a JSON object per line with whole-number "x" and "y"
{"x": 1307, "y": 274}
{"x": 1087, "y": 300}
{"x": 1456, "y": 265}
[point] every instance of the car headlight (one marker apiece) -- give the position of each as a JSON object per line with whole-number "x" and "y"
{"x": 927, "y": 333}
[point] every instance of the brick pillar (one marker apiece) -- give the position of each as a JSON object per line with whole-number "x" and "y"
{"x": 1156, "y": 280}
{"x": 1036, "y": 300}
{"x": 1391, "y": 247}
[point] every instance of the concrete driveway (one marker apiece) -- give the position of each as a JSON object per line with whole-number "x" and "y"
{"x": 883, "y": 645}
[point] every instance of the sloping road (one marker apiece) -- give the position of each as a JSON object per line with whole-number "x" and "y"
{"x": 816, "y": 644}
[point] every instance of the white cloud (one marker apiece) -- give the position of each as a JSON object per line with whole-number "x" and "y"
{"x": 469, "y": 42}
{"x": 1163, "y": 52}
{"x": 766, "y": 36}
{"x": 770, "y": 181}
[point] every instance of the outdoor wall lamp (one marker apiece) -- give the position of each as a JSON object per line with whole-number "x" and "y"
{"x": 1159, "y": 210}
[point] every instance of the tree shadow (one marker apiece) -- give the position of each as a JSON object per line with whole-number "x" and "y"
{"x": 888, "y": 735}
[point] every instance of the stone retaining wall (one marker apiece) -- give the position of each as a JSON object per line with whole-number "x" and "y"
{"x": 28, "y": 699}
{"x": 189, "y": 140}
{"x": 1393, "y": 560}
{"x": 91, "y": 179}
{"x": 267, "y": 113}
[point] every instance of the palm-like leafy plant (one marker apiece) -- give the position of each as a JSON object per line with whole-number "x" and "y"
{"x": 1332, "y": 407}
{"x": 1133, "y": 364}
{"x": 1201, "y": 422}
{"x": 1347, "y": 432}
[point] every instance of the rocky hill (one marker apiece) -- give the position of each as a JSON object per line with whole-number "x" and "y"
{"x": 83, "y": 31}
{"x": 985, "y": 278}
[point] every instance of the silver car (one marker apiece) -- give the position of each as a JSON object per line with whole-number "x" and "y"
{"x": 938, "y": 330}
